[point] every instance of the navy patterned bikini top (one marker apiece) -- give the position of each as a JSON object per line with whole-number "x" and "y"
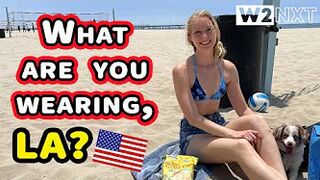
{"x": 197, "y": 91}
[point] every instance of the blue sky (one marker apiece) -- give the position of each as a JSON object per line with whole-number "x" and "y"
{"x": 143, "y": 11}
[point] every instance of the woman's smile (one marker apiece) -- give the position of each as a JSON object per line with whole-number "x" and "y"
{"x": 205, "y": 43}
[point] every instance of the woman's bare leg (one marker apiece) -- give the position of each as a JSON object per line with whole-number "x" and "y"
{"x": 210, "y": 149}
{"x": 267, "y": 148}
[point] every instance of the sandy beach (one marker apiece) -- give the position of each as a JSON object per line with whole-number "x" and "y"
{"x": 294, "y": 98}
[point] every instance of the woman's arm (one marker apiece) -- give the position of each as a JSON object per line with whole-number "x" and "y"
{"x": 188, "y": 106}
{"x": 233, "y": 90}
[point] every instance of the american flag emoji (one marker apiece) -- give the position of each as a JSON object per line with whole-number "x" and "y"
{"x": 120, "y": 150}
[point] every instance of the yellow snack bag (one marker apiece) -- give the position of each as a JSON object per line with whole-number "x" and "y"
{"x": 179, "y": 167}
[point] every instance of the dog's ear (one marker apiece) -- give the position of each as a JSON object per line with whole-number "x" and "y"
{"x": 277, "y": 132}
{"x": 304, "y": 133}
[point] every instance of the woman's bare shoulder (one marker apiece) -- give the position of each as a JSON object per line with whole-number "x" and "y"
{"x": 182, "y": 67}
{"x": 228, "y": 65}
{"x": 230, "y": 70}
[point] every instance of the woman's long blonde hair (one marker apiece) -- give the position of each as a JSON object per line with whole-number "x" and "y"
{"x": 218, "y": 50}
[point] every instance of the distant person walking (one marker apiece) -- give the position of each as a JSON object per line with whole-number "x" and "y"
{"x": 23, "y": 27}
{"x": 32, "y": 27}
{"x": 27, "y": 27}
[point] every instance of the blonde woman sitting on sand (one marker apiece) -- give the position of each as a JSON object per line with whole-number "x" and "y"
{"x": 199, "y": 84}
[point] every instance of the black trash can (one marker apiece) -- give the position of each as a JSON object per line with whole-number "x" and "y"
{"x": 2, "y": 33}
{"x": 244, "y": 45}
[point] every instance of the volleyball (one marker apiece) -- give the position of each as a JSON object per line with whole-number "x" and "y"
{"x": 259, "y": 102}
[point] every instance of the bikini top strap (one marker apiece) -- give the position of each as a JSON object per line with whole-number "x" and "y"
{"x": 220, "y": 70}
{"x": 195, "y": 67}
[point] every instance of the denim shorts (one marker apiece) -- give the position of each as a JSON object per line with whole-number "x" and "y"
{"x": 187, "y": 131}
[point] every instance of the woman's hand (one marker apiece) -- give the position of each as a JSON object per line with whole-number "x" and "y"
{"x": 250, "y": 135}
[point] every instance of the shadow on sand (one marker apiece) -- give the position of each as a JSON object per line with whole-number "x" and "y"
{"x": 281, "y": 101}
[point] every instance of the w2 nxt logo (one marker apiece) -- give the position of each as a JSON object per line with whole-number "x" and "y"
{"x": 260, "y": 15}
{"x": 263, "y": 15}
